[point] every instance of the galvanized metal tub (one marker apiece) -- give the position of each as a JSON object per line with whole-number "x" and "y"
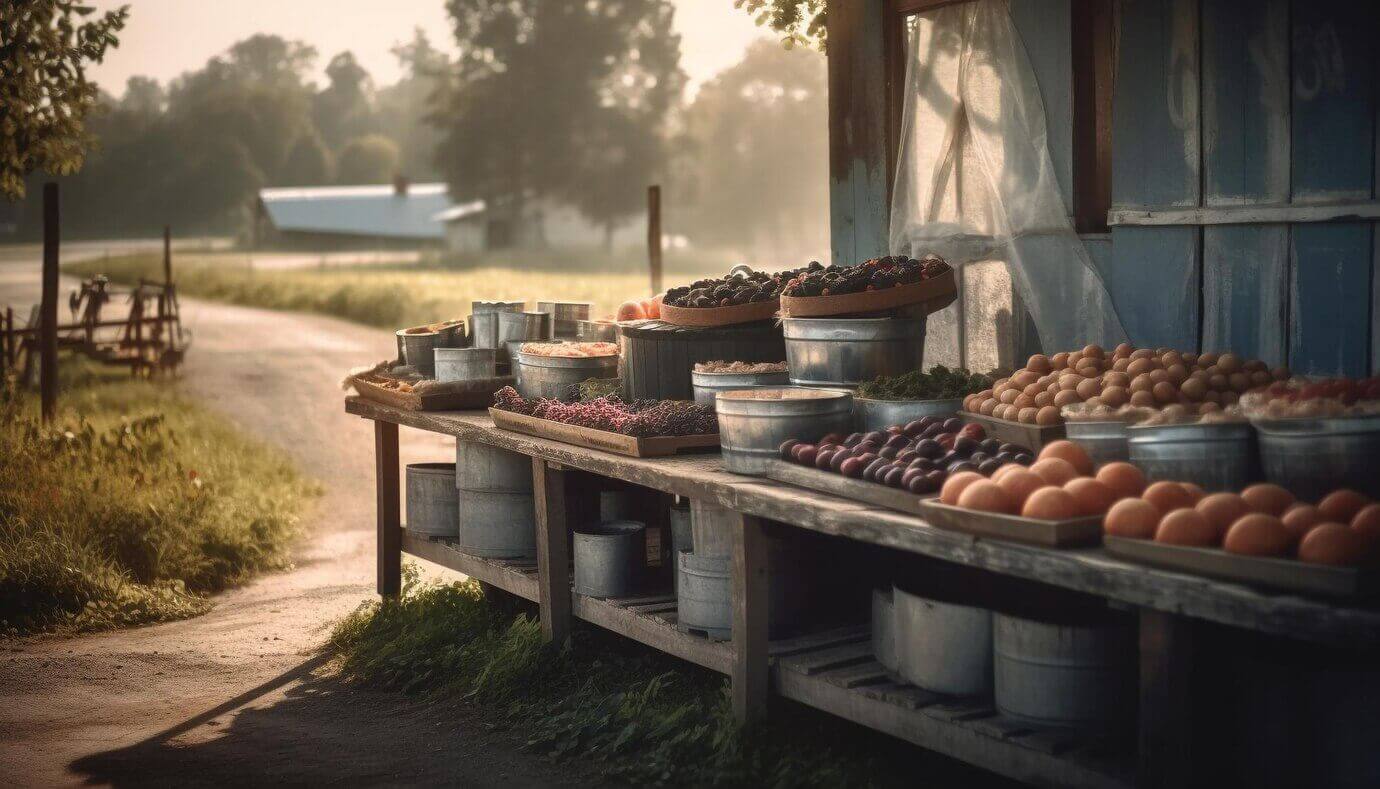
{"x": 609, "y": 558}
{"x": 1060, "y": 675}
{"x": 1216, "y": 456}
{"x": 418, "y": 349}
{"x": 706, "y": 385}
{"x": 481, "y": 307}
{"x": 705, "y": 592}
{"x": 552, "y": 376}
{"x": 845, "y": 352}
{"x": 941, "y": 646}
{"x": 595, "y": 331}
{"x": 431, "y": 502}
{"x": 1313, "y": 457}
{"x": 565, "y": 316}
{"x": 872, "y": 414}
{"x": 681, "y": 539}
{"x": 484, "y": 330}
{"x": 711, "y": 528}
{"x": 754, "y": 422}
{"x": 497, "y": 513}
{"x": 884, "y": 627}
{"x": 1105, "y": 442}
{"x": 526, "y": 326}
{"x": 465, "y": 364}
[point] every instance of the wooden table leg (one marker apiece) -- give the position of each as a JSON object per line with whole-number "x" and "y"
{"x": 749, "y": 619}
{"x": 1166, "y": 700}
{"x": 553, "y": 550}
{"x": 389, "y": 508}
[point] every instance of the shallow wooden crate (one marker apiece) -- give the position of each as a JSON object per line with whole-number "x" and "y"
{"x": 1032, "y": 437}
{"x": 632, "y": 446}
{"x": 1074, "y": 532}
{"x": 846, "y": 487}
{"x": 1285, "y": 574}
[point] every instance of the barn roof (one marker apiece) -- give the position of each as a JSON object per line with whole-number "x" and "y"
{"x": 374, "y": 210}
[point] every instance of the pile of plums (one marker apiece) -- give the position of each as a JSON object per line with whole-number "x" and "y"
{"x": 917, "y": 457}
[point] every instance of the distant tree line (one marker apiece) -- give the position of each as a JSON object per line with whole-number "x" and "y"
{"x": 582, "y": 103}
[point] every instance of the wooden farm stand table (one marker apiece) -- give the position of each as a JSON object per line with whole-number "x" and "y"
{"x": 833, "y": 670}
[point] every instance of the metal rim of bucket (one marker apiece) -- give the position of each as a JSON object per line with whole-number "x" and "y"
{"x": 431, "y": 467}
{"x": 611, "y": 529}
{"x": 568, "y": 362}
{"x": 1195, "y": 432}
{"x": 852, "y": 329}
{"x": 803, "y": 401}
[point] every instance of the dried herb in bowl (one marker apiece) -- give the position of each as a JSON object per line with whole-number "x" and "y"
{"x": 940, "y": 383}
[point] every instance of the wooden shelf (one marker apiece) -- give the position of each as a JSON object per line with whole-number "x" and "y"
{"x": 651, "y": 620}
{"x": 516, "y": 576}
{"x": 844, "y": 679}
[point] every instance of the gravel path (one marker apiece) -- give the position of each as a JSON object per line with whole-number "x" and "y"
{"x": 234, "y": 697}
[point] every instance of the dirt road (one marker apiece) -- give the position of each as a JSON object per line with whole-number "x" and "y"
{"x": 232, "y": 697}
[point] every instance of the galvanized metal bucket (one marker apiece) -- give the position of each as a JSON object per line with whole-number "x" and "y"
{"x": 753, "y": 423}
{"x": 884, "y": 628}
{"x": 484, "y": 467}
{"x": 418, "y": 349}
{"x": 565, "y": 317}
{"x": 552, "y": 376}
{"x": 1105, "y": 442}
{"x": 707, "y": 385}
{"x": 1313, "y": 457}
{"x": 880, "y": 414}
{"x": 944, "y": 647}
{"x": 465, "y": 364}
{"x": 1217, "y": 456}
{"x": 497, "y": 514}
{"x": 711, "y": 528}
{"x": 703, "y": 594}
{"x": 452, "y": 334}
{"x": 1061, "y": 675}
{"x": 845, "y": 352}
{"x": 525, "y": 326}
{"x": 596, "y": 331}
{"x": 484, "y": 330}
{"x": 431, "y": 501}
{"x": 681, "y": 539}
{"x": 609, "y": 558}
{"x": 482, "y": 307}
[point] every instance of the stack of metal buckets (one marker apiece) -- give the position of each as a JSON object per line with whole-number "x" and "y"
{"x": 483, "y": 501}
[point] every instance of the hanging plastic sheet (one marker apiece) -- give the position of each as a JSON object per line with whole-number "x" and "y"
{"x": 976, "y": 185}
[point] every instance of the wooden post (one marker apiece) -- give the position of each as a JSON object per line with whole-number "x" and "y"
{"x": 167, "y": 256}
{"x": 1166, "y": 700}
{"x": 389, "y": 508}
{"x": 859, "y": 205}
{"x": 47, "y": 325}
{"x": 553, "y": 550}
{"x": 654, "y": 236}
{"x": 749, "y": 619}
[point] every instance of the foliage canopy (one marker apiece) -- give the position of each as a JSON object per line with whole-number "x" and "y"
{"x": 798, "y": 21}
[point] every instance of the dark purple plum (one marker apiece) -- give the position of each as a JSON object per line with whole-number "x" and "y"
{"x": 889, "y": 452}
{"x": 988, "y": 467}
{"x": 893, "y": 477}
{"x": 823, "y": 458}
{"x": 960, "y": 466}
{"x": 915, "y": 428}
{"x": 953, "y": 425}
{"x": 852, "y": 440}
{"x": 907, "y": 455}
{"x": 787, "y": 447}
{"x": 965, "y": 446}
{"x": 928, "y": 448}
{"x": 1024, "y": 458}
{"x": 991, "y": 446}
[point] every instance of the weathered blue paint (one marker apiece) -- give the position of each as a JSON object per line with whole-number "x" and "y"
{"x": 1045, "y": 29}
{"x": 1332, "y": 104}
{"x": 858, "y": 207}
{"x": 1154, "y": 285}
{"x": 1245, "y": 290}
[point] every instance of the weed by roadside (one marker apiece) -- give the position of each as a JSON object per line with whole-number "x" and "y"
{"x": 132, "y": 507}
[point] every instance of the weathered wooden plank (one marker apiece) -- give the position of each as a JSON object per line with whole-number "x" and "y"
{"x": 829, "y": 658}
{"x": 516, "y": 580}
{"x": 389, "y": 509}
{"x": 1154, "y": 281}
{"x": 751, "y": 664}
{"x": 912, "y": 697}
{"x": 632, "y": 602}
{"x": 787, "y": 647}
{"x": 961, "y": 710}
{"x": 1253, "y": 214}
{"x": 1045, "y": 30}
{"x": 870, "y": 673}
{"x": 1001, "y": 727}
{"x": 1330, "y": 295}
{"x": 657, "y": 631}
{"x": 653, "y": 608}
{"x": 553, "y": 550}
{"x": 1246, "y": 290}
{"x": 858, "y": 199}
{"x": 1166, "y": 748}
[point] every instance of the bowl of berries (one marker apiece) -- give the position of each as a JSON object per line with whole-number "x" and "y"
{"x": 874, "y": 285}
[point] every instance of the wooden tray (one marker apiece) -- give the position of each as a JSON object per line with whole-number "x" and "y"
{"x": 1050, "y": 534}
{"x": 1032, "y": 437}
{"x": 720, "y": 316}
{"x": 480, "y": 394}
{"x": 847, "y": 487}
{"x": 935, "y": 294}
{"x": 657, "y": 446}
{"x": 1286, "y": 574}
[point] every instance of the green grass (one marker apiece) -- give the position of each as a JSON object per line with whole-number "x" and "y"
{"x": 400, "y": 295}
{"x": 633, "y": 713}
{"x": 133, "y": 507}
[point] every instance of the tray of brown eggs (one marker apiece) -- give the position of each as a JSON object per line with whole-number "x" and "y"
{"x": 1261, "y": 536}
{"x": 1057, "y": 502}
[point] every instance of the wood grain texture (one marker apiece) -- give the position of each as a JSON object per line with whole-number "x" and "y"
{"x": 1154, "y": 281}
{"x": 604, "y": 440}
{"x": 500, "y": 574}
{"x": 858, "y": 199}
{"x": 1165, "y": 728}
{"x": 388, "y": 514}
{"x": 1044, "y": 27}
{"x": 750, "y": 617}
{"x": 656, "y": 630}
{"x": 1246, "y": 291}
{"x": 553, "y": 550}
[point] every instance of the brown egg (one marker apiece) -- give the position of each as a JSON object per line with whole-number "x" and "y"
{"x": 1165, "y": 392}
{"x": 1255, "y": 366}
{"x": 1171, "y": 358}
{"x": 1090, "y": 368}
{"x": 1120, "y": 365}
{"x": 1023, "y": 401}
{"x": 1038, "y": 363}
{"x": 1229, "y": 363}
{"x": 1066, "y": 397}
{"x": 1024, "y": 378}
{"x": 1258, "y": 535}
{"x": 1267, "y": 498}
{"x": 1342, "y": 505}
{"x": 1116, "y": 379}
{"x": 1168, "y": 496}
{"x": 955, "y": 485}
{"x": 1142, "y": 353}
{"x": 987, "y": 406}
{"x": 1093, "y": 351}
{"x": 1123, "y": 350}
{"x": 1177, "y": 373}
{"x": 1142, "y": 383}
{"x": 1115, "y": 396}
{"x": 1074, "y": 358}
{"x": 1133, "y": 518}
{"x": 1142, "y": 399}
{"x": 1027, "y": 415}
{"x": 1194, "y": 492}
{"x": 1222, "y": 510}
{"x": 1045, "y": 399}
{"x": 1094, "y": 402}
{"x": 1007, "y": 468}
{"x": 1174, "y": 412}
{"x": 1218, "y": 382}
{"x": 1299, "y": 519}
{"x": 985, "y": 496}
{"x": 1194, "y": 389}
{"x": 1239, "y": 382}
{"x": 1123, "y": 479}
{"x": 1053, "y": 470}
{"x": 1207, "y": 360}
{"x": 1367, "y": 521}
{"x": 1186, "y": 527}
{"x": 1260, "y": 378}
{"x": 1009, "y": 395}
{"x": 1070, "y": 380}
{"x": 1050, "y": 504}
{"x": 1059, "y": 360}
{"x": 1190, "y": 360}
{"x": 1033, "y": 390}
{"x": 1158, "y": 376}
{"x": 1090, "y": 496}
{"x": 1019, "y": 485}
{"x": 1230, "y": 398}
{"x": 1208, "y": 408}
{"x": 1139, "y": 367}
{"x": 1068, "y": 451}
{"x": 1335, "y": 544}
{"x": 1088, "y": 387}
{"x": 1047, "y": 415}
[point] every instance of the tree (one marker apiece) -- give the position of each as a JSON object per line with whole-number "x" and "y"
{"x": 44, "y": 49}
{"x": 308, "y": 162}
{"x": 798, "y": 21}
{"x": 370, "y": 159}
{"x": 402, "y": 108}
{"x": 345, "y": 109}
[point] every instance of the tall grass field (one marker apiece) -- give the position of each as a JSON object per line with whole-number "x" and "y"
{"x": 393, "y": 296}
{"x": 132, "y": 507}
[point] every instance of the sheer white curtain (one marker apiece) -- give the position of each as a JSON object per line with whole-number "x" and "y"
{"x": 975, "y": 183}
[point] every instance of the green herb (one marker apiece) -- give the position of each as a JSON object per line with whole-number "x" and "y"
{"x": 940, "y": 383}
{"x": 594, "y": 388}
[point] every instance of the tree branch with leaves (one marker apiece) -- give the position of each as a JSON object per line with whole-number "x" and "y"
{"x": 800, "y": 22}
{"x": 45, "y": 46}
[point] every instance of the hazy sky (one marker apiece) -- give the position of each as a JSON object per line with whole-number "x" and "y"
{"x": 167, "y": 37}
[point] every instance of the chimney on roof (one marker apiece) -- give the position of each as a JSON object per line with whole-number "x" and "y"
{"x": 400, "y": 185}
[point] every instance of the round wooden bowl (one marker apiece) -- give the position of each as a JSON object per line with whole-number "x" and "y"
{"x": 935, "y": 294}
{"x": 720, "y": 316}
